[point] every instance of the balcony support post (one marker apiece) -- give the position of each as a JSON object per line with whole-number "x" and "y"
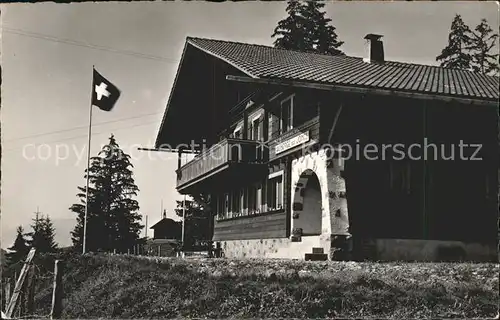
{"x": 265, "y": 125}
{"x": 245, "y": 124}
{"x": 179, "y": 158}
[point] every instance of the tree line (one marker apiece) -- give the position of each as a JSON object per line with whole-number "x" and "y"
{"x": 306, "y": 28}
{"x": 470, "y": 49}
{"x": 40, "y": 237}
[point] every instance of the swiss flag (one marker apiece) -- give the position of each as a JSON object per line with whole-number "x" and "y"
{"x": 104, "y": 93}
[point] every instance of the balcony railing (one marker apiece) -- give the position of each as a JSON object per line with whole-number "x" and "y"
{"x": 225, "y": 152}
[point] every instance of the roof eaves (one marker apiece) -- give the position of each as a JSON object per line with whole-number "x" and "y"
{"x": 366, "y": 89}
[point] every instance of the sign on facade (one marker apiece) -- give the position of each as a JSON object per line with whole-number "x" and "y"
{"x": 292, "y": 142}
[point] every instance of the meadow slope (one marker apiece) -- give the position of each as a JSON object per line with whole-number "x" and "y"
{"x": 121, "y": 286}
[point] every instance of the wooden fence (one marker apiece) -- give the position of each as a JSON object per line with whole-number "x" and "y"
{"x": 18, "y": 298}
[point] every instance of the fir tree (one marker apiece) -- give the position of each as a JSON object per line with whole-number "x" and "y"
{"x": 113, "y": 214}
{"x": 483, "y": 41}
{"x": 321, "y": 37}
{"x": 290, "y": 32}
{"x": 42, "y": 235}
{"x": 19, "y": 249}
{"x": 49, "y": 232}
{"x": 197, "y": 225}
{"x": 455, "y": 54}
{"x": 306, "y": 28}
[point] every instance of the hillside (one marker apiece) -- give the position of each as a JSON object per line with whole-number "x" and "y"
{"x": 133, "y": 287}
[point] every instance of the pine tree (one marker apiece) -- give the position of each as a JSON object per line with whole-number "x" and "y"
{"x": 113, "y": 215}
{"x": 306, "y": 28}
{"x": 95, "y": 219}
{"x": 483, "y": 41}
{"x": 19, "y": 249}
{"x": 455, "y": 54}
{"x": 291, "y": 31}
{"x": 321, "y": 37}
{"x": 42, "y": 235}
{"x": 49, "y": 233}
{"x": 196, "y": 219}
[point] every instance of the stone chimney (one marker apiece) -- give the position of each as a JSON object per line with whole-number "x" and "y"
{"x": 374, "y": 48}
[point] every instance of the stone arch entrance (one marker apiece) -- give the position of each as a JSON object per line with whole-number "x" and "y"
{"x": 307, "y": 204}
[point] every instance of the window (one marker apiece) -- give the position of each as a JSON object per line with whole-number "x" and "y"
{"x": 242, "y": 201}
{"x": 258, "y": 199}
{"x": 235, "y": 208}
{"x": 251, "y": 199}
{"x": 274, "y": 125}
{"x": 218, "y": 206}
{"x": 275, "y": 192}
{"x": 225, "y": 211}
{"x": 237, "y": 134}
{"x": 255, "y": 129}
{"x": 263, "y": 196}
{"x": 287, "y": 114}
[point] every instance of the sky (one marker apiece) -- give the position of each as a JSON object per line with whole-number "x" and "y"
{"x": 47, "y": 55}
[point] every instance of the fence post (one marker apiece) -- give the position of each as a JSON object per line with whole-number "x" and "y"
{"x": 57, "y": 292}
{"x": 13, "y": 303}
{"x": 7, "y": 292}
{"x": 30, "y": 290}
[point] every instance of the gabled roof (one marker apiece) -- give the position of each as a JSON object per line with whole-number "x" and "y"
{"x": 166, "y": 222}
{"x": 259, "y": 61}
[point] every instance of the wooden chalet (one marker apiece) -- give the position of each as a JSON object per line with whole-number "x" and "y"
{"x": 271, "y": 129}
{"x": 166, "y": 239}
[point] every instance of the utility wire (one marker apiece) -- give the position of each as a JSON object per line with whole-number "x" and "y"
{"x": 90, "y": 46}
{"x": 46, "y": 37}
{"x": 86, "y": 136}
{"x": 80, "y": 127}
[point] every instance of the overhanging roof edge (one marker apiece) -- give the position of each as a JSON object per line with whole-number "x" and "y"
{"x": 331, "y": 86}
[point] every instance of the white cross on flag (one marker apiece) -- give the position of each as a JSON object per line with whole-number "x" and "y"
{"x": 104, "y": 93}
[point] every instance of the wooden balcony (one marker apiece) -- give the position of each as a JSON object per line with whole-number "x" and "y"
{"x": 218, "y": 158}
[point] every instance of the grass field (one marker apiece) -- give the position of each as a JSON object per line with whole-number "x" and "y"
{"x": 103, "y": 286}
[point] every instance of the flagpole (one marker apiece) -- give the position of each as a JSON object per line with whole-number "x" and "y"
{"x": 88, "y": 166}
{"x": 183, "y": 226}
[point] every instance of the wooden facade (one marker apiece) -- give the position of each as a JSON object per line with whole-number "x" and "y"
{"x": 264, "y": 226}
{"x": 415, "y": 195}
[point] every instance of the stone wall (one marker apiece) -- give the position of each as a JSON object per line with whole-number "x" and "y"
{"x": 269, "y": 248}
{"x": 433, "y": 250}
{"x": 334, "y": 213}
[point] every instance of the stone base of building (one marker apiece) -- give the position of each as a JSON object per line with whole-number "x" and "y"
{"x": 431, "y": 250}
{"x": 279, "y": 248}
{"x": 374, "y": 250}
